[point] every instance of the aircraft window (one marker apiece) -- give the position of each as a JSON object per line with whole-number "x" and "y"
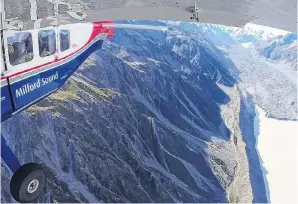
{"x": 64, "y": 40}
{"x": 47, "y": 42}
{"x": 20, "y": 48}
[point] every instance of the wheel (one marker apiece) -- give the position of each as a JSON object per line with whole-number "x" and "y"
{"x": 27, "y": 183}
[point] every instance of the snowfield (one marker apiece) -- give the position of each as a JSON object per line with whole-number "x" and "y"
{"x": 277, "y": 146}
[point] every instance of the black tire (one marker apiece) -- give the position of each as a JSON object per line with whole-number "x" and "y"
{"x": 29, "y": 174}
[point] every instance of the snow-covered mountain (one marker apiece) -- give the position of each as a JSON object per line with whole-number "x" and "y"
{"x": 271, "y": 43}
{"x": 252, "y": 33}
{"x": 280, "y": 49}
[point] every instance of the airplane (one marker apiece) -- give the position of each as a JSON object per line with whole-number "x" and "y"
{"x": 40, "y": 51}
{"x": 37, "y": 63}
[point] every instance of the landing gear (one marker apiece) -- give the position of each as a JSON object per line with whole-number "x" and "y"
{"x": 28, "y": 183}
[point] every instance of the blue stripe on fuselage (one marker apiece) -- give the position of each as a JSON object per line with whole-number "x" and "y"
{"x": 36, "y": 86}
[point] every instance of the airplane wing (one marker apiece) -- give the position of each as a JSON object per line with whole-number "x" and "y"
{"x": 25, "y": 14}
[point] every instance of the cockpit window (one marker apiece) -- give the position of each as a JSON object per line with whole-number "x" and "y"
{"x": 64, "y": 40}
{"x": 20, "y": 48}
{"x": 47, "y": 42}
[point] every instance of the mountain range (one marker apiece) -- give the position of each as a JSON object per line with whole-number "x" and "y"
{"x": 151, "y": 117}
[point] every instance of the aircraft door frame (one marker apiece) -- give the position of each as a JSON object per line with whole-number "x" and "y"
{"x": 7, "y": 107}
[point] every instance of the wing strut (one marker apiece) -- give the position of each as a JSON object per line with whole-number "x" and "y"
{"x": 8, "y": 156}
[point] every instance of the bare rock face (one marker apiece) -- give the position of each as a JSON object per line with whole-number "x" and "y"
{"x": 145, "y": 119}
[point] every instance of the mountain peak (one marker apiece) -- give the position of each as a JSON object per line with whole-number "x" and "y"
{"x": 252, "y": 33}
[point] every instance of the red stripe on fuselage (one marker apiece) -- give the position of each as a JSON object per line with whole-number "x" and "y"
{"x": 97, "y": 29}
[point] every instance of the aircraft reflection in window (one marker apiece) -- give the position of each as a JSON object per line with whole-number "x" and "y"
{"x": 20, "y": 48}
{"x": 46, "y": 42}
{"x": 64, "y": 40}
{"x": 37, "y": 63}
